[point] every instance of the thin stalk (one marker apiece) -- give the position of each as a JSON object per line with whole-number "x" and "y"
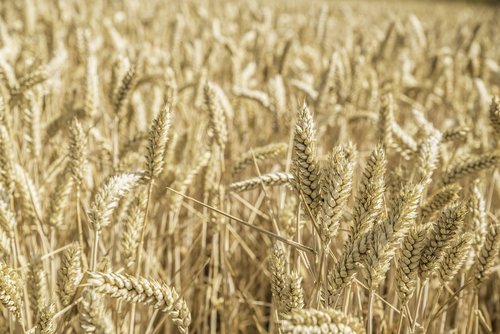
{"x": 401, "y": 318}
{"x": 139, "y": 250}
{"x": 79, "y": 224}
{"x": 370, "y": 312}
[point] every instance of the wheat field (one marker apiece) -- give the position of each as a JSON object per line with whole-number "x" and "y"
{"x": 249, "y": 167}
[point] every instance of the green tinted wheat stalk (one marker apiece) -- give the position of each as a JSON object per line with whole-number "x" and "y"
{"x": 261, "y": 153}
{"x": 140, "y": 290}
{"x": 271, "y": 179}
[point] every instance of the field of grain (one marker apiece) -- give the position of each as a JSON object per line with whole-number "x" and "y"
{"x": 249, "y": 167}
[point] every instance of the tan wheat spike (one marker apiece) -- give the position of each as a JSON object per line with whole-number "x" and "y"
{"x": 216, "y": 117}
{"x": 294, "y": 294}
{"x": 10, "y": 290}
{"x": 8, "y": 221}
{"x": 343, "y": 271}
{"x": 93, "y": 317}
{"x": 404, "y": 142}
{"x": 456, "y": 134}
{"x": 6, "y": 159}
{"x": 77, "y": 152}
{"x": 327, "y": 84}
{"x": 107, "y": 198}
{"x": 335, "y": 190}
{"x": 255, "y": 95}
{"x": 158, "y": 136}
{"x": 37, "y": 285}
{"x": 91, "y": 93}
{"x": 471, "y": 168}
{"x": 321, "y": 321}
{"x": 388, "y": 235}
{"x": 446, "y": 227}
{"x": 306, "y": 168}
{"x": 124, "y": 88}
{"x": 46, "y": 322}
{"x": 278, "y": 267}
{"x": 132, "y": 224}
{"x": 476, "y": 221}
{"x": 304, "y": 87}
{"x": 261, "y": 153}
{"x": 31, "y": 111}
{"x": 495, "y": 115}
{"x": 409, "y": 257}
{"x": 8, "y": 76}
{"x": 454, "y": 257}
{"x": 385, "y": 120}
{"x": 25, "y": 187}
{"x": 271, "y": 179}
{"x": 369, "y": 199}
{"x": 427, "y": 156}
{"x": 140, "y": 290}
{"x": 59, "y": 198}
{"x": 438, "y": 201}
{"x": 5, "y": 244}
{"x": 69, "y": 274}
{"x": 277, "y": 94}
{"x": 488, "y": 254}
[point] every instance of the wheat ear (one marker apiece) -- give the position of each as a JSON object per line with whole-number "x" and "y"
{"x": 271, "y": 179}
{"x": 69, "y": 274}
{"x": 140, "y": 290}
{"x": 446, "y": 227}
{"x": 261, "y": 153}
{"x": 321, "y": 321}
{"x": 305, "y": 164}
{"x": 10, "y": 290}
